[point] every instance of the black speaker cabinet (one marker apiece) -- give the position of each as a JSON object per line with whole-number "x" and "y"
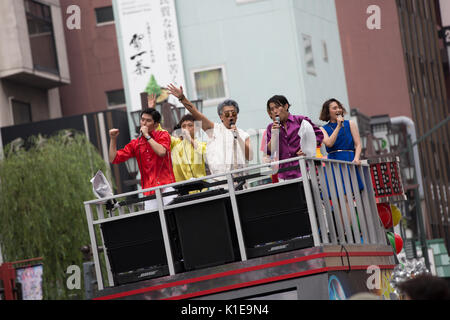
{"x": 135, "y": 248}
{"x": 205, "y": 234}
{"x": 275, "y": 220}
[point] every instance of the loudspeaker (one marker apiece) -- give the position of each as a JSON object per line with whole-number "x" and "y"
{"x": 135, "y": 248}
{"x": 275, "y": 219}
{"x": 204, "y": 233}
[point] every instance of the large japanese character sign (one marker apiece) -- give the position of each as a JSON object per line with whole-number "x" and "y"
{"x": 149, "y": 44}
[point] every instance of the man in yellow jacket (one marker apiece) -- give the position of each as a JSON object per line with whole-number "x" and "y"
{"x": 188, "y": 154}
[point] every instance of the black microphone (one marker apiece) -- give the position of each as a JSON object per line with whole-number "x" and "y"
{"x": 234, "y": 132}
{"x": 342, "y": 115}
{"x": 277, "y": 119}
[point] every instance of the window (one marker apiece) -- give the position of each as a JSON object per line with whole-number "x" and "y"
{"x": 210, "y": 84}
{"x": 21, "y": 112}
{"x": 104, "y": 15}
{"x": 42, "y": 41}
{"x": 325, "y": 51}
{"x": 309, "y": 57}
{"x": 116, "y": 98}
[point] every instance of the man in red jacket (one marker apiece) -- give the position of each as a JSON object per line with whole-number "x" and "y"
{"x": 152, "y": 152}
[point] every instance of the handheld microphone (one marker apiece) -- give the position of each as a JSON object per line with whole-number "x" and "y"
{"x": 277, "y": 119}
{"x": 234, "y": 132}
{"x": 342, "y": 115}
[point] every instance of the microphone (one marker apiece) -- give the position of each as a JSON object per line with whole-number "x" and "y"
{"x": 342, "y": 115}
{"x": 277, "y": 119}
{"x": 234, "y": 132}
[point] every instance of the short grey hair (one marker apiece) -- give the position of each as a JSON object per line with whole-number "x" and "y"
{"x": 228, "y": 102}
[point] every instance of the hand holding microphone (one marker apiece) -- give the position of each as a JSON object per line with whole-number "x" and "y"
{"x": 143, "y": 132}
{"x": 233, "y": 128}
{"x": 340, "y": 119}
{"x": 276, "y": 124}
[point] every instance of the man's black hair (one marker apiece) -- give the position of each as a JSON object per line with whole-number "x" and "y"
{"x": 279, "y": 100}
{"x": 186, "y": 117}
{"x": 156, "y": 116}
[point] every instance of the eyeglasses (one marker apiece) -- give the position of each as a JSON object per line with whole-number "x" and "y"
{"x": 228, "y": 114}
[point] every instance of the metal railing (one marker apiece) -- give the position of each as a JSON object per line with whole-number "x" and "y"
{"x": 337, "y": 217}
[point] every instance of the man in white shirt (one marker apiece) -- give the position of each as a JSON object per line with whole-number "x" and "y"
{"x": 228, "y": 147}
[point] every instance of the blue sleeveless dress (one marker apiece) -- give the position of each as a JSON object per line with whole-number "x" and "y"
{"x": 343, "y": 149}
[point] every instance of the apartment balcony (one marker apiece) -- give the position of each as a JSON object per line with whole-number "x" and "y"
{"x": 33, "y": 51}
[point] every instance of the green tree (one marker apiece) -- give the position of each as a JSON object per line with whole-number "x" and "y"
{"x": 42, "y": 190}
{"x": 153, "y": 87}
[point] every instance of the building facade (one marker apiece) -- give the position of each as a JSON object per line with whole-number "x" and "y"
{"x": 256, "y": 49}
{"x": 244, "y": 50}
{"x": 401, "y": 69}
{"x": 33, "y": 61}
{"x": 96, "y": 78}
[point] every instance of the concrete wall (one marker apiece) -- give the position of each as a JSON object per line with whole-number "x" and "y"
{"x": 373, "y": 59}
{"x": 18, "y": 77}
{"x": 94, "y": 61}
{"x": 318, "y": 19}
{"x": 15, "y": 52}
{"x": 36, "y": 97}
{"x": 260, "y": 45}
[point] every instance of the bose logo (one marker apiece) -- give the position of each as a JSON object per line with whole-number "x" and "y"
{"x": 150, "y": 273}
{"x": 279, "y": 247}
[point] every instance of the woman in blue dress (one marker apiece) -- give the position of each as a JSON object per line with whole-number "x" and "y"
{"x": 341, "y": 139}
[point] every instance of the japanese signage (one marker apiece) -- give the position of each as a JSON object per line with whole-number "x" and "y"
{"x": 147, "y": 33}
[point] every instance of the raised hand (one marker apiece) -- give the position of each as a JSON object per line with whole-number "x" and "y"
{"x": 114, "y": 133}
{"x": 151, "y": 98}
{"x": 175, "y": 91}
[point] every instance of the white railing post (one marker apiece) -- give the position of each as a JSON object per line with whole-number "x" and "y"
{"x": 326, "y": 202}
{"x": 359, "y": 206}
{"x": 379, "y": 229}
{"x": 335, "y": 202}
{"x": 317, "y": 201}
{"x": 373, "y": 238}
{"x": 309, "y": 202}
{"x": 342, "y": 206}
{"x": 98, "y": 271}
{"x": 350, "y": 190}
{"x": 165, "y": 234}
{"x": 237, "y": 219}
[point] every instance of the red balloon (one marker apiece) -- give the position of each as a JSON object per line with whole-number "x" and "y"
{"x": 398, "y": 243}
{"x": 385, "y": 214}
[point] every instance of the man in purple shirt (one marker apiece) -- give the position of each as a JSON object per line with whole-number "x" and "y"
{"x": 285, "y": 128}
